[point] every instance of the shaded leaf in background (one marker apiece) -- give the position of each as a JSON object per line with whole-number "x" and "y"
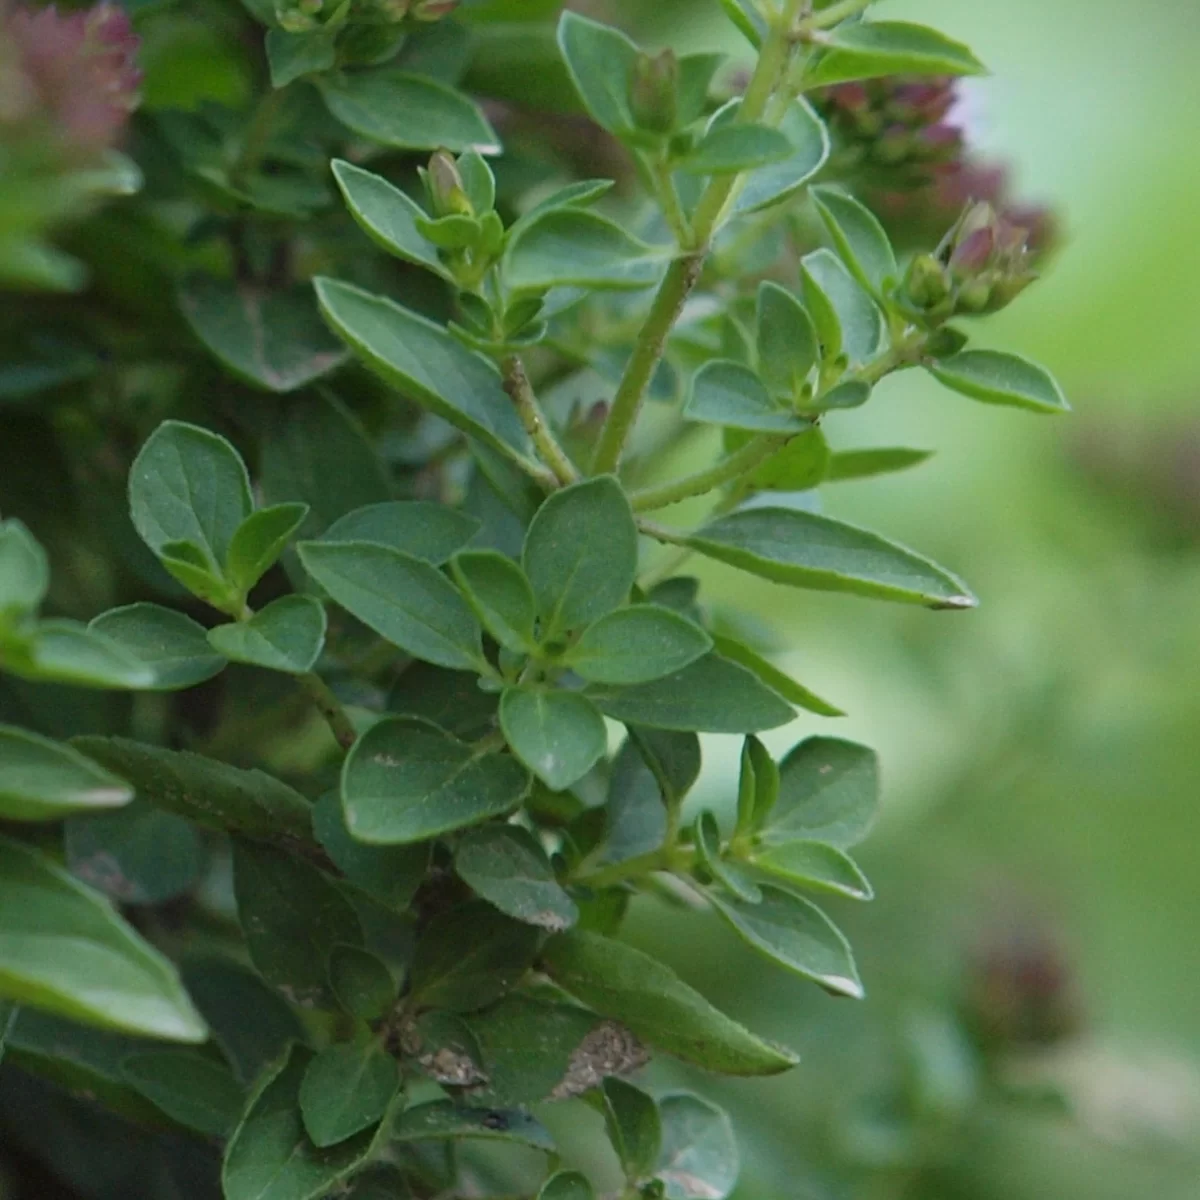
{"x": 43, "y": 780}
{"x": 506, "y": 866}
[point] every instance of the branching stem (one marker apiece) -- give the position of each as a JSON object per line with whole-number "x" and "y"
{"x": 753, "y": 454}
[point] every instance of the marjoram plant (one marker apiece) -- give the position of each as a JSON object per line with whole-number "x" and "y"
{"x": 332, "y": 760}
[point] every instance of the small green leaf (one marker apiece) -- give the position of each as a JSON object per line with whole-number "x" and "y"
{"x": 798, "y": 466}
{"x": 259, "y": 541}
{"x": 442, "y": 1121}
{"x": 426, "y": 364}
{"x": 291, "y": 56}
{"x": 810, "y": 551}
{"x": 830, "y": 291}
{"x": 508, "y": 868}
{"x": 347, "y": 1089}
{"x": 727, "y": 393}
{"x": 189, "y": 485}
{"x": 409, "y": 112}
{"x": 796, "y": 934}
{"x": 581, "y": 554}
{"x": 872, "y": 49}
{"x": 631, "y": 987}
{"x": 774, "y": 678}
{"x": 788, "y": 348}
{"x": 829, "y": 792}
{"x": 211, "y": 793}
{"x": 63, "y": 949}
{"x": 387, "y": 216}
{"x": 469, "y": 957}
{"x": 428, "y": 531}
{"x": 772, "y": 184}
{"x": 361, "y": 983}
{"x": 572, "y": 247}
{"x": 288, "y": 635}
{"x": 191, "y": 1088}
{"x": 405, "y": 782}
{"x": 567, "y": 1185}
{"x": 997, "y": 378}
{"x": 637, "y": 644}
{"x": 270, "y": 1156}
{"x": 634, "y": 1127}
{"x": 864, "y": 464}
{"x": 501, "y": 596}
{"x": 737, "y": 146}
{"x": 713, "y": 695}
{"x": 70, "y": 652}
{"x": 558, "y": 735}
{"x": 851, "y": 393}
{"x": 859, "y": 238}
{"x": 699, "y": 1158}
{"x": 758, "y": 786}
{"x": 729, "y": 875}
{"x": 815, "y": 865}
{"x": 600, "y": 61}
{"x": 292, "y": 917}
{"x": 403, "y": 599}
{"x": 24, "y": 570}
{"x": 272, "y": 339}
{"x": 172, "y": 645}
{"x": 41, "y": 780}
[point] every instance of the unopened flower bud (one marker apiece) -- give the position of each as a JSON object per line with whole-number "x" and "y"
{"x": 653, "y": 91}
{"x": 447, "y": 196}
{"x": 975, "y": 297}
{"x": 973, "y": 253}
{"x": 926, "y": 283}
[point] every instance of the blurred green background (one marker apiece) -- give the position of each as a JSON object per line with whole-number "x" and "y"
{"x": 1040, "y": 755}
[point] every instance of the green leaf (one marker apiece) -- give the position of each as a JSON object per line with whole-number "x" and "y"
{"x": 815, "y": 865}
{"x": 292, "y": 917}
{"x": 852, "y": 393}
{"x": 508, "y": 868}
{"x": 63, "y": 949}
{"x": 445, "y": 1049}
{"x": 865, "y": 464}
{"x": 581, "y": 554}
{"x": 699, "y": 1158}
{"x": 567, "y": 1185}
{"x": 390, "y": 874}
{"x": 859, "y": 238}
{"x": 774, "y": 183}
{"x": 138, "y": 855}
{"x": 409, "y": 112}
{"x": 347, "y": 1089}
{"x": 829, "y": 792}
{"x": 191, "y": 1088}
{"x": 572, "y": 247}
{"x": 288, "y": 635}
{"x": 774, "y": 678}
{"x": 795, "y": 934}
{"x": 997, "y": 378}
{"x": 361, "y": 983}
{"x": 24, "y": 570}
{"x": 270, "y": 1156}
{"x": 271, "y": 339}
{"x": 69, "y": 652}
{"x": 173, "y": 646}
{"x": 442, "y": 1121}
{"x": 745, "y": 15}
{"x": 872, "y": 49}
{"x": 407, "y": 601}
{"x": 426, "y": 364}
{"x": 469, "y": 957}
{"x": 259, "y": 541}
{"x": 600, "y": 61}
{"x": 379, "y": 1181}
{"x": 291, "y": 56}
{"x": 830, "y": 291}
{"x": 637, "y": 644}
{"x": 729, "y": 875}
{"x": 451, "y": 700}
{"x": 672, "y": 758}
{"x": 501, "y": 596}
{"x": 798, "y": 466}
{"x": 737, "y": 146}
{"x": 387, "y": 216}
{"x": 211, "y": 793}
{"x": 758, "y": 786}
{"x": 189, "y": 485}
{"x": 634, "y": 1127}
{"x": 631, "y": 987}
{"x": 428, "y": 531}
{"x": 713, "y": 695}
{"x": 558, "y": 735}
{"x": 788, "y": 349}
{"x": 810, "y": 551}
{"x": 727, "y": 393}
{"x": 41, "y": 780}
{"x": 405, "y": 782}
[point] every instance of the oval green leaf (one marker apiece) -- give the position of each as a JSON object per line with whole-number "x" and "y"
{"x": 637, "y": 644}
{"x": 172, "y": 645}
{"x": 998, "y": 378}
{"x": 41, "y": 780}
{"x": 729, "y": 394}
{"x": 558, "y": 735}
{"x": 288, "y": 635}
{"x": 508, "y": 868}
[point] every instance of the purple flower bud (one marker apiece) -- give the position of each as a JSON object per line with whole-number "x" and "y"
{"x": 974, "y": 252}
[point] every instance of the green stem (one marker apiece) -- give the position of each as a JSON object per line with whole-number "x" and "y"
{"x": 330, "y": 707}
{"x": 257, "y": 135}
{"x": 835, "y": 14}
{"x": 517, "y": 385}
{"x": 753, "y": 454}
{"x": 666, "y": 858}
{"x": 668, "y": 196}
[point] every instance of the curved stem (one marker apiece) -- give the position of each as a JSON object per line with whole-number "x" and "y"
{"x": 753, "y": 454}
{"x": 517, "y": 385}
{"x": 330, "y": 707}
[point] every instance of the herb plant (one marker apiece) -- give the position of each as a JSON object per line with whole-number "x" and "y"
{"x": 332, "y": 760}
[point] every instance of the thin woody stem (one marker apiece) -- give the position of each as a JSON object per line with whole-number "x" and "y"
{"x": 517, "y": 385}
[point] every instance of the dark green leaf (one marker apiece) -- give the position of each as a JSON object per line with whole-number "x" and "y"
{"x": 699, "y": 1159}
{"x": 572, "y": 247}
{"x": 859, "y": 238}
{"x": 637, "y": 644}
{"x": 997, "y": 378}
{"x": 876, "y": 48}
{"x": 41, "y": 780}
{"x": 428, "y": 531}
{"x": 774, "y": 678}
{"x": 673, "y": 759}
{"x": 829, "y": 792}
{"x": 558, "y": 735}
{"x": 636, "y": 817}
{"x": 797, "y": 935}
{"x": 497, "y": 590}
{"x": 294, "y": 55}
{"x": 727, "y": 393}
{"x": 259, "y": 541}
{"x": 830, "y": 289}
{"x": 806, "y": 550}
{"x": 600, "y": 61}
{"x": 729, "y": 874}
{"x": 772, "y": 184}
{"x": 404, "y": 782}
{"x": 788, "y": 349}
{"x": 288, "y": 635}
{"x": 347, "y": 1089}
{"x": 191, "y": 1088}
{"x": 380, "y": 1181}
{"x": 647, "y": 996}
{"x": 634, "y": 1127}
{"x": 443, "y": 1121}
{"x": 581, "y": 554}
{"x": 567, "y": 1185}
{"x": 24, "y": 570}
{"x": 815, "y": 865}
{"x": 737, "y": 146}
{"x": 863, "y": 464}
{"x": 361, "y": 983}
{"x": 445, "y": 1049}
{"x": 451, "y": 700}
{"x": 63, "y": 949}
{"x": 172, "y": 645}
{"x": 402, "y": 598}
{"x": 508, "y": 868}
